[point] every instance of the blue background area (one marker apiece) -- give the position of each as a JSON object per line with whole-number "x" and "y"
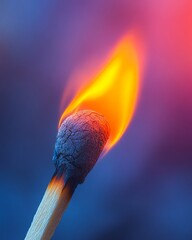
{"x": 142, "y": 188}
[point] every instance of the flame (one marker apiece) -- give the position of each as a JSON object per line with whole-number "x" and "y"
{"x": 113, "y": 91}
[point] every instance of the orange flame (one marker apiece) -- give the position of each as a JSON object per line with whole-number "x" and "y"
{"x": 113, "y": 91}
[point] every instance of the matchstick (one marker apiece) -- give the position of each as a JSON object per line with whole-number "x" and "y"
{"x": 80, "y": 141}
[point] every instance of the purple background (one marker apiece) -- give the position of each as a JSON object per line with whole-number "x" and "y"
{"x": 142, "y": 188}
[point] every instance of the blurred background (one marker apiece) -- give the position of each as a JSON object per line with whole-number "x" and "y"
{"x": 142, "y": 188}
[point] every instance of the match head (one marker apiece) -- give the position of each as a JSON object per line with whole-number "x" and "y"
{"x": 81, "y": 139}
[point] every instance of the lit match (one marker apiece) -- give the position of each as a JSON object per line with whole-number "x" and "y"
{"x": 84, "y": 134}
{"x": 80, "y": 141}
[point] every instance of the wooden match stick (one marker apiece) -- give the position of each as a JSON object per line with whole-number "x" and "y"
{"x": 51, "y": 208}
{"x": 80, "y": 141}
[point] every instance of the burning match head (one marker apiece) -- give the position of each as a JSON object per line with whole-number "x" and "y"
{"x": 80, "y": 141}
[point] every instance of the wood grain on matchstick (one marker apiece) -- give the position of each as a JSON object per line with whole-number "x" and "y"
{"x": 50, "y": 210}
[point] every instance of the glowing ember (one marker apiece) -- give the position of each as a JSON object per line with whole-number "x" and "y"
{"x": 56, "y": 184}
{"x": 113, "y": 92}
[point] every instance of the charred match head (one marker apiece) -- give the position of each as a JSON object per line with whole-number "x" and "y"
{"x": 80, "y": 141}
